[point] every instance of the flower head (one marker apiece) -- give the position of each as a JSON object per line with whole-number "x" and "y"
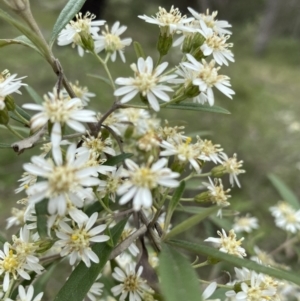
{"x": 219, "y": 27}
{"x": 9, "y": 84}
{"x": 142, "y": 180}
{"x": 207, "y": 77}
{"x": 228, "y": 244}
{"x": 61, "y": 181}
{"x": 76, "y": 241}
{"x": 27, "y": 296}
{"x": 132, "y": 283}
{"x": 147, "y": 81}
{"x": 110, "y": 41}
{"x": 80, "y": 32}
{"x": 286, "y": 217}
{"x": 81, "y": 92}
{"x": 245, "y": 224}
{"x": 169, "y": 22}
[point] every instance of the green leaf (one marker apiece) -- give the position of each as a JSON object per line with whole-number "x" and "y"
{"x": 21, "y": 40}
{"x": 41, "y": 209}
{"x": 176, "y": 198}
{"x": 41, "y": 282}
{"x": 178, "y": 280}
{"x": 221, "y": 222}
{"x": 16, "y": 128}
{"x": 285, "y": 192}
{"x": 192, "y": 221}
{"x": 138, "y": 50}
{"x": 34, "y": 95}
{"x": 67, "y": 14}
{"x": 5, "y": 145}
{"x": 82, "y": 278}
{"x": 26, "y": 31}
{"x": 23, "y": 113}
{"x": 196, "y": 107}
{"x": 236, "y": 261}
{"x": 102, "y": 78}
{"x": 117, "y": 159}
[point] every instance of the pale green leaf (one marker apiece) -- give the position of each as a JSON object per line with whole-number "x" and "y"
{"x": 25, "y": 31}
{"x": 102, "y": 78}
{"x": 196, "y": 107}
{"x": 138, "y": 50}
{"x": 236, "y": 261}
{"x": 192, "y": 221}
{"x": 34, "y": 95}
{"x": 21, "y": 40}
{"x": 285, "y": 192}
{"x": 67, "y": 14}
{"x": 82, "y": 278}
{"x": 176, "y": 197}
{"x": 117, "y": 159}
{"x": 178, "y": 280}
{"x": 16, "y": 128}
{"x": 23, "y": 113}
{"x": 41, "y": 215}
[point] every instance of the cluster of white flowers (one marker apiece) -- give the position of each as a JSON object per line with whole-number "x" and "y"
{"x": 125, "y": 163}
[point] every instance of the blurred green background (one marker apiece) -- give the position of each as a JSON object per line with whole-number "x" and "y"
{"x": 263, "y": 128}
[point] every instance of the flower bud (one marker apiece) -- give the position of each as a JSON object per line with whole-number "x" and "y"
{"x": 218, "y": 171}
{"x": 164, "y": 43}
{"x": 212, "y": 260}
{"x": 4, "y": 117}
{"x": 44, "y": 245}
{"x": 10, "y": 103}
{"x": 203, "y": 197}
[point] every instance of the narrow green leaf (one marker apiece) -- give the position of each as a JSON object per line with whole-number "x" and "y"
{"x": 178, "y": 280}
{"x": 82, "y": 278}
{"x": 41, "y": 282}
{"x": 236, "y": 261}
{"x": 102, "y": 78}
{"x": 34, "y": 95}
{"x": 25, "y": 30}
{"x": 197, "y": 107}
{"x": 41, "y": 214}
{"x": 192, "y": 221}
{"x": 5, "y": 145}
{"x": 285, "y": 192}
{"x": 138, "y": 50}
{"x": 21, "y": 40}
{"x": 16, "y": 128}
{"x": 117, "y": 159}
{"x": 68, "y": 13}
{"x": 23, "y": 113}
{"x": 176, "y": 196}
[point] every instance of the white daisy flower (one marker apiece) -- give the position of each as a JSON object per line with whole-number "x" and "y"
{"x": 96, "y": 290}
{"x": 142, "y": 180}
{"x": 228, "y": 244}
{"x": 219, "y": 27}
{"x": 26, "y": 180}
{"x": 147, "y": 81}
{"x": 60, "y": 111}
{"x": 61, "y": 181}
{"x": 207, "y": 77}
{"x": 27, "y": 296}
{"x": 76, "y": 32}
{"x": 11, "y": 265}
{"x": 245, "y": 224}
{"x": 286, "y": 217}
{"x": 216, "y": 45}
{"x": 169, "y": 22}
{"x": 232, "y": 167}
{"x": 17, "y": 217}
{"x": 132, "y": 283}
{"x": 110, "y": 41}
{"x": 76, "y": 242}
{"x": 9, "y": 84}
{"x": 128, "y": 230}
{"x": 216, "y": 192}
{"x": 81, "y": 92}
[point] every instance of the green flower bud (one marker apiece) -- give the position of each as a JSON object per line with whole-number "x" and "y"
{"x": 10, "y": 103}
{"x": 212, "y": 260}
{"x": 44, "y": 245}
{"x": 218, "y": 171}
{"x": 4, "y": 117}
{"x": 203, "y": 197}
{"x": 164, "y": 43}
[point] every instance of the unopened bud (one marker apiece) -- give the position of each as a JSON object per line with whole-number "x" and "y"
{"x": 218, "y": 171}
{"x": 202, "y": 197}
{"x": 4, "y": 117}
{"x": 44, "y": 245}
{"x": 10, "y": 103}
{"x": 212, "y": 260}
{"x": 164, "y": 43}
